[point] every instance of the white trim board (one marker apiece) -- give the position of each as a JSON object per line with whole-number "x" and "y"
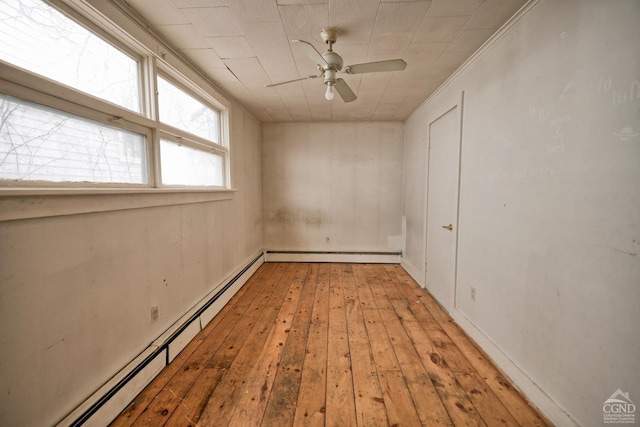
{"x": 345, "y": 257}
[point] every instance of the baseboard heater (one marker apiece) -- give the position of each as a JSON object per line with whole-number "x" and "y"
{"x": 390, "y": 257}
{"x": 105, "y": 404}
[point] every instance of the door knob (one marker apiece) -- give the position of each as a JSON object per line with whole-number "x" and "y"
{"x": 448, "y": 227}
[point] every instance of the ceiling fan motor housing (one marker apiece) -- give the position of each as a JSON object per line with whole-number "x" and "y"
{"x": 334, "y": 60}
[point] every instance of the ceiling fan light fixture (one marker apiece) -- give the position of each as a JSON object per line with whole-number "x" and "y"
{"x": 329, "y": 93}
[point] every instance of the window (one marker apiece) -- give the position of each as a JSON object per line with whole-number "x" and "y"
{"x": 183, "y": 111}
{"x": 40, "y": 39}
{"x": 182, "y": 165}
{"x": 51, "y": 132}
{"x": 42, "y": 144}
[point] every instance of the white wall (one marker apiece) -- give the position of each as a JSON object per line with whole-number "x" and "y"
{"x": 549, "y": 228}
{"x": 336, "y": 181}
{"x": 76, "y": 291}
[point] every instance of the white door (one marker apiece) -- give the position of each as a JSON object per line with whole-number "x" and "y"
{"x": 442, "y": 206}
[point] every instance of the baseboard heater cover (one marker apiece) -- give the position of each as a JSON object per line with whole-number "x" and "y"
{"x": 388, "y": 257}
{"x": 148, "y": 359}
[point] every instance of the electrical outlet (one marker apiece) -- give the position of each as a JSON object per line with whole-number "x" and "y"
{"x": 473, "y": 293}
{"x": 154, "y": 313}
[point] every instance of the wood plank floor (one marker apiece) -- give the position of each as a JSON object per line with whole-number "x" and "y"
{"x": 335, "y": 345}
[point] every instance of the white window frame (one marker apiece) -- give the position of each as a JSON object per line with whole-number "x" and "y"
{"x": 166, "y": 131}
{"x": 30, "y": 87}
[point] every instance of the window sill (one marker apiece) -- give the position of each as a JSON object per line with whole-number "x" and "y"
{"x": 25, "y": 203}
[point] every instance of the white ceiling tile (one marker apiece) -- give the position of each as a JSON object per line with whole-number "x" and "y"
{"x": 374, "y": 83}
{"x": 385, "y": 110}
{"x": 244, "y": 66}
{"x": 182, "y": 4}
{"x": 231, "y": 47}
{"x": 279, "y": 69}
{"x": 439, "y": 28}
{"x": 249, "y": 71}
{"x": 292, "y": 90}
{"x": 301, "y": 2}
{"x": 279, "y": 115}
{"x": 163, "y": 13}
{"x": 405, "y": 16}
{"x": 355, "y": 19}
{"x": 301, "y": 115}
{"x": 204, "y": 58}
{"x": 446, "y": 64}
{"x": 423, "y": 52}
{"x": 493, "y": 13}
{"x": 321, "y": 113}
{"x": 399, "y": 81}
{"x": 395, "y": 96}
{"x": 249, "y": 11}
{"x": 182, "y": 36}
{"x": 469, "y": 40}
{"x": 268, "y": 38}
{"x": 266, "y": 94}
{"x": 453, "y": 7}
{"x": 213, "y": 21}
{"x": 222, "y": 75}
{"x": 389, "y": 43}
{"x": 237, "y": 88}
{"x": 305, "y": 22}
{"x": 262, "y": 115}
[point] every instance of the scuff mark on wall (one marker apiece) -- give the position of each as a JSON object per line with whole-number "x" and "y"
{"x": 313, "y": 217}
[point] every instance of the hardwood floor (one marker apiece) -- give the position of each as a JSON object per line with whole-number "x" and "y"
{"x": 334, "y": 345}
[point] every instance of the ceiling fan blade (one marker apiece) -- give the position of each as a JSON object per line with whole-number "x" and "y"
{"x": 291, "y": 81}
{"x": 376, "y": 67}
{"x": 311, "y": 52}
{"x": 344, "y": 91}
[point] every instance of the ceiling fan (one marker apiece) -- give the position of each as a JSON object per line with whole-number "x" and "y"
{"x": 330, "y": 63}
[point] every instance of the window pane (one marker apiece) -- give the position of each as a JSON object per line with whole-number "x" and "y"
{"x": 38, "y": 38}
{"x": 182, "y": 165}
{"x": 181, "y": 110}
{"x": 38, "y": 143}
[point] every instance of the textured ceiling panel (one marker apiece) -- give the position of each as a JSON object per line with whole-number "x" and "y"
{"x": 244, "y": 45}
{"x": 231, "y": 47}
{"x": 213, "y": 21}
{"x": 164, "y": 13}
{"x": 255, "y": 11}
{"x": 454, "y": 7}
{"x": 206, "y": 58}
{"x": 355, "y": 19}
{"x": 199, "y": 3}
{"x": 493, "y": 13}
{"x": 468, "y": 40}
{"x": 183, "y": 36}
{"x": 405, "y": 16}
{"x": 439, "y": 29}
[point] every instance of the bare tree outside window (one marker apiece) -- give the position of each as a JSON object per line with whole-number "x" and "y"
{"x": 38, "y": 38}
{"x": 181, "y": 110}
{"x": 42, "y": 144}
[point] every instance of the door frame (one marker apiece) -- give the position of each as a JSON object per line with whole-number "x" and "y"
{"x": 440, "y": 111}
